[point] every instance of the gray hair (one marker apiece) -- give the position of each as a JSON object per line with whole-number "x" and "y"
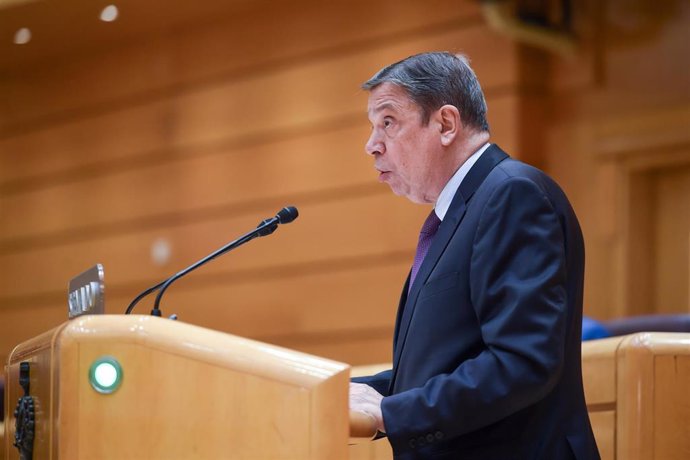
{"x": 433, "y": 80}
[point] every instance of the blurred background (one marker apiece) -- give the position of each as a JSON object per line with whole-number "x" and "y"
{"x": 144, "y": 135}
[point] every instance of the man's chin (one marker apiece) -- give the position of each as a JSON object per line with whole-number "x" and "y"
{"x": 414, "y": 198}
{"x": 396, "y": 190}
{"x": 404, "y": 194}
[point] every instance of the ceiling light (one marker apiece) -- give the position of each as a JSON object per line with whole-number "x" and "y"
{"x": 109, "y": 13}
{"x": 22, "y": 36}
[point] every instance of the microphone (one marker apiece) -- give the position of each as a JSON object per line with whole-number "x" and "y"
{"x": 265, "y": 227}
{"x": 284, "y": 216}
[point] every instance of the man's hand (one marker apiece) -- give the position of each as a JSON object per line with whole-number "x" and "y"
{"x": 364, "y": 398}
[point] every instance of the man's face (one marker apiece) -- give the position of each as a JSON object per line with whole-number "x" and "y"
{"x": 403, "y": 148}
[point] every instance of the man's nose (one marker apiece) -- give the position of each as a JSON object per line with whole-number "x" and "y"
{"x": 374, "y": 146}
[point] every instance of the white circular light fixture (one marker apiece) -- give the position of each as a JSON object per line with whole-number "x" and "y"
{"x": 109, "y": 13}
{"x": 105, "y": 375}
{"x": 22, "y": 36}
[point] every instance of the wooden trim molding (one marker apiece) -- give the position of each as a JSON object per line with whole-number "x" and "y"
{"x": 643, "y": 134}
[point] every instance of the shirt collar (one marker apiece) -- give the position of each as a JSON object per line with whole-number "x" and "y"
{"x": 448, "y": 192}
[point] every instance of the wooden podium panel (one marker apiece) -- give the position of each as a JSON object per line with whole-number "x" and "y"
{"x": 186, "y": 392}
{"x": 637, "y": 389}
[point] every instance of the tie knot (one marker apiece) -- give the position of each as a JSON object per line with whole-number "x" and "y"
{"x": 431, "y": 224}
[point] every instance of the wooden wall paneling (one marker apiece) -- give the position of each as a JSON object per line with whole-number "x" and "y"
{"x": 68, "y": 148}
{"x": 299, "y": 96}
{"x": 168, "y": 61}
{"x": 594, "y": 193}
{"x": 373, "y": 224}
{"x": 531, "y": 93}
{"x": 307, "y": 92}
{"x": 604, "y": 164}
{"x": 638, "y": 147}
{"x": 617, "y": 136}
{"x": 602, "y": 103}
{"x": 317, "y": 30}
{"x": 353, "y": 350}
{"x": 329, "y": 159}
{"x": 123, "y": 245}
{"x": 507, "y": 129}
{"x": 317, "y": 301}
{"x": 671, "y": 202}
{"x": 639, "y": 234}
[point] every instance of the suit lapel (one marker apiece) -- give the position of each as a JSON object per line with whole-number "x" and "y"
{"x": 476, "y": 175}
{"x": 401, "y": 310}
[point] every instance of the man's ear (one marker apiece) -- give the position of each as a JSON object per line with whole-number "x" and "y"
{"x": 449, "y": 123}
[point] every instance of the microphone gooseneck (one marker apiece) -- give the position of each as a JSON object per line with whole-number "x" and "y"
{"x": 265, "y": 227}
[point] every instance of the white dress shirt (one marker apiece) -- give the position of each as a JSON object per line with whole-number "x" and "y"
{"x": 448, "y": 192}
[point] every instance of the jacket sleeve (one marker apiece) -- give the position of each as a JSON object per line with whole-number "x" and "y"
{"x": 517, "y": 285}
{"x": 378, "y": 382}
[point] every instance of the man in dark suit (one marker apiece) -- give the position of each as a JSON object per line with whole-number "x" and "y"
{"x": 486, "y": 359}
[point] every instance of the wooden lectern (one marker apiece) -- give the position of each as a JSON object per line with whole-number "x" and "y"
{"x": 637, "y": 389}
{"x": 142, "y": 387}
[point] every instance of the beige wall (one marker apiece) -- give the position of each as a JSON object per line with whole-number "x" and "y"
{"x": 194, "y": 134}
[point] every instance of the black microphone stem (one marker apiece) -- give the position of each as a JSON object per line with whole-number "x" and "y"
{"x": 266, "y": 227}
{"x": 273, "y": 222}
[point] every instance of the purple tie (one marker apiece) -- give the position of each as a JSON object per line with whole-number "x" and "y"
{"x": 426, "y": 236}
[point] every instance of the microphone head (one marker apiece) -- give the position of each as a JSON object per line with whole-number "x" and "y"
{"x": 287, "y": 214}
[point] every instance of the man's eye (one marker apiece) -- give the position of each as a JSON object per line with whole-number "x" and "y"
{"x": 387, "y": 123}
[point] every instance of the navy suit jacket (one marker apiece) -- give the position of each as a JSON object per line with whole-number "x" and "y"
{"x": 486, "y": 359}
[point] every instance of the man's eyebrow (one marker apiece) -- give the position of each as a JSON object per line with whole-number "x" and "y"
{"x": 384, "y": 106}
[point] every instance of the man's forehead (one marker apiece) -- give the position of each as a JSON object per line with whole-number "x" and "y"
{"x": 388, "y": 96}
